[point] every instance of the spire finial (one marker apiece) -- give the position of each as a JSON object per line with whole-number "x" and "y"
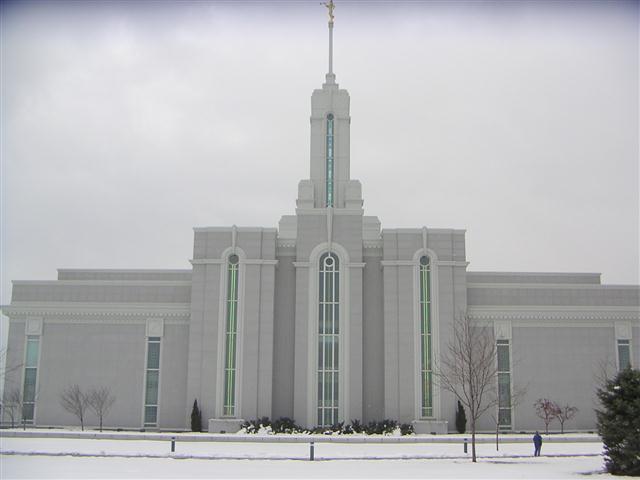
{"x": 330, "y": 6}
{"x": 331, "y": 78}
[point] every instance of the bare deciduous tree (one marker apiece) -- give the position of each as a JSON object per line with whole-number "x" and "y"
{"x": 100, "y": 401}
{"x": 468, "y": 369}
{"x": 75, "y": 402}
{"x": 516, "y": 396}
{"x": 566, "y": 413}
{"x": 12, "y": 405}
{"x": 7, "y": 369}
{"x": 547, "y": 410}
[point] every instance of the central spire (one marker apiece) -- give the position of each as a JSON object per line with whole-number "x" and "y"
{"x": 330, "y": 184}
{"x": 330, "y": 77}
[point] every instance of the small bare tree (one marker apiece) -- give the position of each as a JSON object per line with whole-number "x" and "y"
{"x": 468, "y": 369}
{"x": 547, "y": 410}
{"x": 75, "y": 402}
{"x": 6, "y": 369}
{"x": 566, "y": 413}
{"x": 516, "y": 397}
{"x": 100, "y": 401}
{"x": 13, "y": 405}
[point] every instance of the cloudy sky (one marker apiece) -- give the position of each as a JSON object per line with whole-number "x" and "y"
{"x": 126, "y": 124}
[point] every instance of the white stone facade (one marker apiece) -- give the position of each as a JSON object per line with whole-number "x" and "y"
{"x": 248, "y": 345}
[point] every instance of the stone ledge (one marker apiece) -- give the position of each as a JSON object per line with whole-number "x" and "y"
{"x": 440, "y": 427}
{"x": 225, "y": 425}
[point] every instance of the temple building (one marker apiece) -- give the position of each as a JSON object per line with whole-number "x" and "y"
{"x": 327, "y": 318}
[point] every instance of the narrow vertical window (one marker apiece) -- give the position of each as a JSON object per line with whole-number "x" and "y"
{"x": 426, "y": 370}
{"x": 328, "y": 339}
{"x": 30, "y": 377}
{"x": 152, "y": 382}
{"x": 329, "y": 165}
{"x": 504, "y": 384}
{"x": 231, "y": 332}
{"x": 624, "y": 354}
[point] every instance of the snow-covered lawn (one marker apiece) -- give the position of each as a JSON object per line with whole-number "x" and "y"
{"x": 101, "y": 458}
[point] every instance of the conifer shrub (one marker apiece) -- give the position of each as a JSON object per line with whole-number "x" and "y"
{"x": 196, "y": 417}
{"x": 356, "y": 426}
{"x": 619, "y": 422}
{"x": 285, "y": 425}
{"x": 381, "y": 428}
{"x": 406, "y": 429}
{"x": 254, "y": 426}
{"x": 461, "y": 419}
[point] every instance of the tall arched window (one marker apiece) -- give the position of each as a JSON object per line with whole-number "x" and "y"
{"x": 231, "y": 331}
{"x": 329, "y": 162}
{"x": 426, "y": 368}
{"x": 328, "y": 338}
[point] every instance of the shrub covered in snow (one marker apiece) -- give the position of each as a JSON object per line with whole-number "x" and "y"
{"x": 285, "y": 425}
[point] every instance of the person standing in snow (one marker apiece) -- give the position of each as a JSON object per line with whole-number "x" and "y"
{"x": 537, "y": 443}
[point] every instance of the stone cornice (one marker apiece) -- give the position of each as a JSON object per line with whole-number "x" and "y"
{"x": 586, "y": 286}
{"x": 349, "y": 265}
{"x": 220, "y": 261}
{"x": 111, "y": 320}
{"x": 104, "y": 283}
{"x": 419, "y": 230}
{"x": 541, "y": 315}
{"x": 124, "y": 270}
{"x": 336, "y": 211}
{"x": 106, "y": 308}
{"x": 286, "y": 243}
{"x": 411, "y": 263}
{"x": 239, "y": 229}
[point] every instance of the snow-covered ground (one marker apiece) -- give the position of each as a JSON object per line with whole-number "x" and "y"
{"x": 48, "y": 457}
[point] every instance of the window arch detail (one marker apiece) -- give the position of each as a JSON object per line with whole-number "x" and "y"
{"x": 230, "y": 337}
{"x": 426, "y": 343}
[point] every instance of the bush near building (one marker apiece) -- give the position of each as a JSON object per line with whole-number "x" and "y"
{"x": 287, "y": 425}
{"x": 619, "y": 422}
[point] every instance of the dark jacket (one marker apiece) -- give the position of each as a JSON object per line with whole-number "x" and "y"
{"x": 537, "y": 440}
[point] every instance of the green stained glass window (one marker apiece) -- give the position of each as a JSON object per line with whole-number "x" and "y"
{"x": 426, "y": 372}
{"x": 504, "y": 417}
{"x": 328, "y": 339}
{"x": 150, "y": 415}
{"x": 152, "y": 382}
{"x": 30, "y": 377}
{"x": 153, "y": 355}
{"x": 152, "y": 387}
{"x": 503, "y": 351}
{"x": 503, "y": 357}
{"x": 329, "y": 161}
{"x": 624, "y": 354}
{"x": 29, "y": 391}
{"x": 33, "y": 345}
{"x": 231, "y": 333}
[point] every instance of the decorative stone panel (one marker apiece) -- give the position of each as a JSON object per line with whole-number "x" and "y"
{"x": 623, "y": 330}
{"x": 502, "y": 329}
{"x": 155, "y": 327}
{"x": 33, "y": 326}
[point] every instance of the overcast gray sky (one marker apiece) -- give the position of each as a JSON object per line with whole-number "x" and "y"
{"x": 124, "y": 125}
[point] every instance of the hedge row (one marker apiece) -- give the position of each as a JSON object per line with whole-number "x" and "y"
{"x": 287, "y": 425}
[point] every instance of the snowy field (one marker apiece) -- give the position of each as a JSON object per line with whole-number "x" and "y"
{"x": 51, "y": 457}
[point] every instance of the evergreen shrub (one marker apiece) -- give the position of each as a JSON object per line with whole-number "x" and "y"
{"x": 288, "y": 426}
{"x": 196, "y": 417}
{"x": 619, "y": 423}
{"x": 461, "y": 419}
